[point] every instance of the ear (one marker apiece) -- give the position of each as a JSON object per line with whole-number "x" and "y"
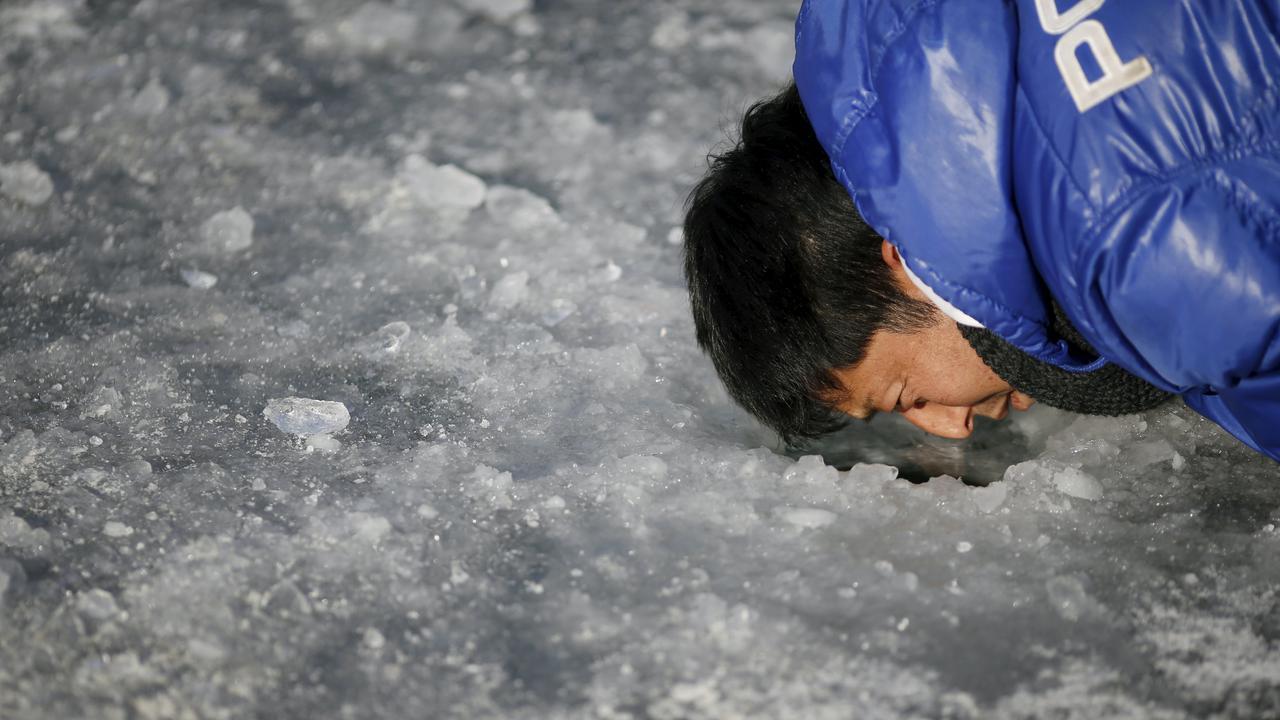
{"x": 890, "y": 255}
{"x": 898, "y": 270}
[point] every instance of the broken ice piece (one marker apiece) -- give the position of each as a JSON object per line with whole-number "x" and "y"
{"x": 808, "y": 517}
{"x": 323, "y": 443}
{"x": 500, "y": 10}
{"x": 152, "y": 99}
{"x": 116, "y": 529}
{"x": 25, "y": 182}
{"x": 228, "y": 231}
{"x": 558, "y": 311}
{"x": 304, "y": 416}
{"x": 1077, "y": 484}
{"x": 199, "y": 279}
{"x": 12, "y": 577}
{"x": 97, "y": 604}
{"x": 390, "y": 336}
{"x": 444, "y": 186}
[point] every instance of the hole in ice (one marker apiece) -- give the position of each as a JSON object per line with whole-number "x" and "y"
{"x": 980, "y": 459}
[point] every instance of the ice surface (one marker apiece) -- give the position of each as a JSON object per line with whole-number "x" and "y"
{"x": 304, "y": 416}
{"x": 460, "y": 222}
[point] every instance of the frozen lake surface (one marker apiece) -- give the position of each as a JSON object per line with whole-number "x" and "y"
{"x": 346, "y": 372}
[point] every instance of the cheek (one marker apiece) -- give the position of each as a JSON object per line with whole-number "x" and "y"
{"x": 960, "y": 378}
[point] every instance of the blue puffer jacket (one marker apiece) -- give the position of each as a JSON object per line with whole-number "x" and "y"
{"x": 1122, "y": 156}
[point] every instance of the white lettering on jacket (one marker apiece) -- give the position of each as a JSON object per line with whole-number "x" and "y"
{"x": 1117, "y": 75}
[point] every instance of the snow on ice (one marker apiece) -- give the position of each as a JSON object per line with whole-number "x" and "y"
{"x": 459, "y": 223}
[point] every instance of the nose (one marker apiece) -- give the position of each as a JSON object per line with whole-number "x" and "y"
{"x": 942, "y": 420}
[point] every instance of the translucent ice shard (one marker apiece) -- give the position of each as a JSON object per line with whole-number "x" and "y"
{"x": 304, "y": 416}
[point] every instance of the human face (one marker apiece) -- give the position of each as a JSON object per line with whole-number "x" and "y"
{"x": 931, "y": 376}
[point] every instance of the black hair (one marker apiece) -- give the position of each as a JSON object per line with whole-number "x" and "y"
{"x": 786, "y": 281}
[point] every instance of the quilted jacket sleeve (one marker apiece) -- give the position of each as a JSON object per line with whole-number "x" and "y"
{"x": 1183, "y": 281}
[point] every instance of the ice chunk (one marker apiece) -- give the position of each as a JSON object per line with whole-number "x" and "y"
{"x": 442, "y": 187}
{"x": 1074, "y": 482}
{"x": 1067, "y": 596}
{"x": 198, "y": 279}
{"x": 17, "y": 534}
{"x": 369, "y": 528}
{"x": 375, "y": 27}
{"x": 518, "y": 208}
{"x": 323, "y": 443}
{"x": 500, "y": 10}
{"x": 285, "y": 600}
{"x": 989, "y": 498}
{"x": 808, "y": 517}
{"x": 304, "y": 416}
{"x": 393, "y": 334}
{"x": 229, "y": 231}
{"x": 489, "y": 485}
{"x": 576, "y": 126}
{"x": 151, "y": 100}
{"x": 510, "y": 291}
{"x": 97, "y": 604}
{"x": 672, "y": 33}
{"x": 103, "y": 403}
{"x": 811, "y": 469}
{"x": 373, "y": 639}
{"x": 296, "y": 329}
{"x": 116, "y": 529}
{"x": 25, "y": 182}
{"x": 53, "y": 18}
{"x": 610, "y": 272}
{"x": 558, "y": 311}
{"x": 12, "y": 577}
{"x": 1143, "y": 454}
{"x": 385, "y": 341}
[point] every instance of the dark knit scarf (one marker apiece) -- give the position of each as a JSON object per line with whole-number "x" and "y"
{"x": 1109, "y": 390}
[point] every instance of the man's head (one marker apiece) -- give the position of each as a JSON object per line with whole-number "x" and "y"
{"x": 806, "y": 312}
